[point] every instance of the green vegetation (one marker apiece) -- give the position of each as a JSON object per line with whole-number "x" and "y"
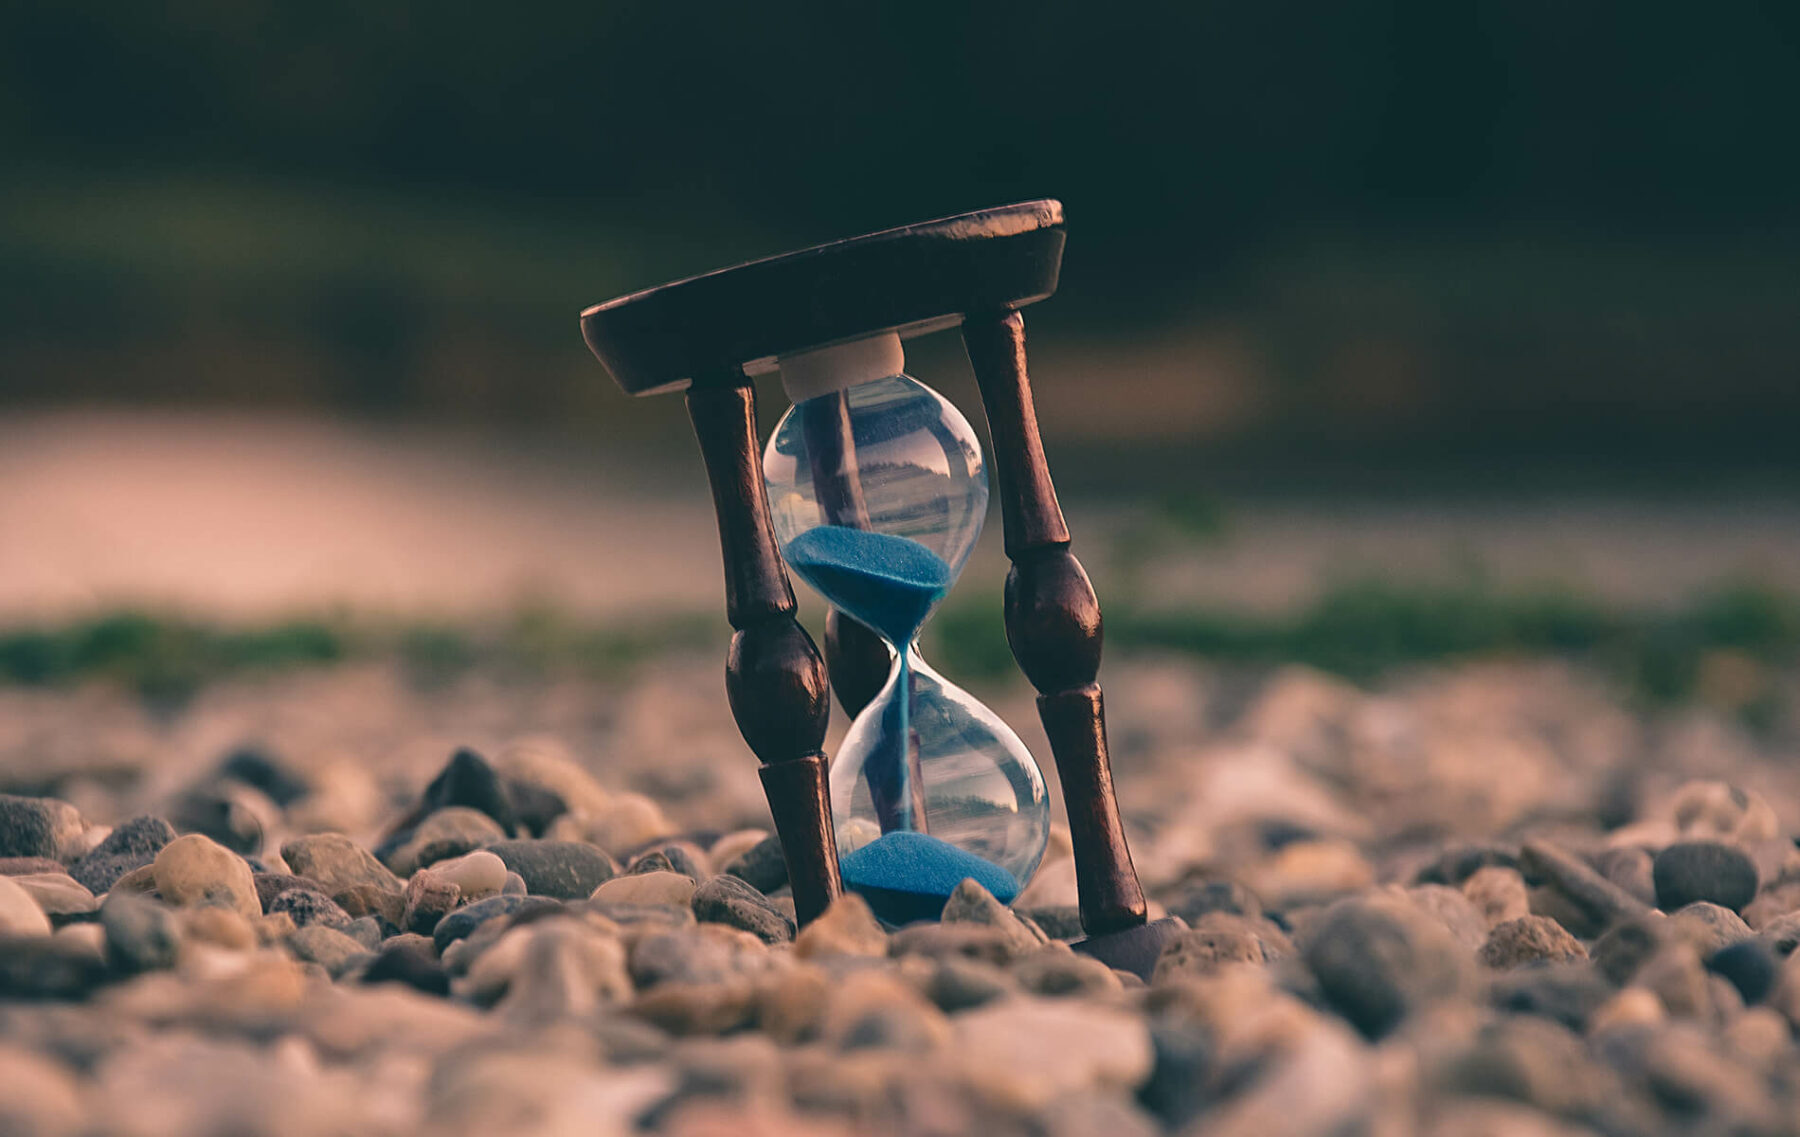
{"x": 1362, "y": 630}
{"x": 1358, "y": 631}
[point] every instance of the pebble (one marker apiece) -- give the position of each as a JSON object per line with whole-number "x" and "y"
{"x": 477, "y": 875}
{"x": 1570, "y": 993}
{"x": 233, "y": 815}
{"x": 546, "y": 765}
{"x": 1749, "y": 966}
{"x": 263, "y": 770}
{"x": 131, "y": 845}
{"x": 1217, "y": 939}
{"x": 1597, "y": 902}
{"x": 307, "y": 906}
{"x": 327, "y": 947}
{"x": 197, "y": 870}
{"x": 57, "y": 894}
{"x": 1026, "y": 1052}
{"x": 1708, "y": 927}
{"x": 141, "y": 935}
{"x": 1450, "y": 908}
{"x": 627, "y": 821}
{"x": 1498, "y": 893}
{"x": 1460, "y": 861}
{"x": 1062, "y": 922}
{"x": 19, "y": 912}
{"x": 566, "y": 870}
{"x": 410, "y": 961}
{"x": 468, "y": 781}
{"x": 970, "y": 903}
{"x": 567, "y": 970}
{"x": 1527, "y": 940}
{"x": 32, "y": 827}
{"x": 965, "y": 941}
{"x": 448, "y": 832}
{"x": 847, "y": 927}
{"x": 876, "y": 1010}
{"x": 1712, "y": 810}
{"x": 337, "y": 863}
{"x": 1632, "y": 869}
{"x": 725, "y": 851}
{"x": 671, "y": 889}
{"x": 1196, "y": 900}
{"x": 465, "y": 920}
{"x": 365, "y": 930}
{"x": 1378, "y": 959}
{"x": 763, "y": 866}
{"x": 1058, "y": 974}
{"x": 667, "y": 858}
{"x": 429, "y": 898}
{"x": 29, "y": 866}
{"x": 1694, "y": 871}
{"x": 956, "y": 983}
{"x": 48, "y": 967}
{"x": 39, "y": 1097}
{"x": 727, "y": 900}
{"x": 1623, "y": 949}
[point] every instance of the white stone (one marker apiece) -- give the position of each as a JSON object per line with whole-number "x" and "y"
{"x": 479, "y": 874}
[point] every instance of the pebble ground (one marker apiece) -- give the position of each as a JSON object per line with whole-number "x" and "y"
{"x": 1490, "y": 899}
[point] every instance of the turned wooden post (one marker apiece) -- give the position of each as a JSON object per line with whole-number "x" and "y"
{"x": 1053, "y": 625}
{"x": 774, "y": 676}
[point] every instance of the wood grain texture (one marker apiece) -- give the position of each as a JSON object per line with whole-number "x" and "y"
{"x": 1053, "y": 626}
{"x": 774, "y": 676}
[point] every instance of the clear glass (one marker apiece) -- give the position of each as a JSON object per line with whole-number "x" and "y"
{"x": 878, "y": 494}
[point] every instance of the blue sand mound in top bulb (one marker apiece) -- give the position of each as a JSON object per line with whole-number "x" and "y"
{"x": 908, "y": 876}
{"x": 889, "y": 583}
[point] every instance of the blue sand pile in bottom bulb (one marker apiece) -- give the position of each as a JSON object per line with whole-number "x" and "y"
{"x": 889, "y": 583}
{"x": 908, "y": 876}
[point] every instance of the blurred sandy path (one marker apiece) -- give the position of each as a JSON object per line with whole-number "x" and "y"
{"x": 243, "y": 516}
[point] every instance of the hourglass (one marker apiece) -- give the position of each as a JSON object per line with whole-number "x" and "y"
{"x": 877, "y": 490}
{"x": 873, "y": 489}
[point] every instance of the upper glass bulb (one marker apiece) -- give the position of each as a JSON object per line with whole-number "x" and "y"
{"x": 878, "y": 493}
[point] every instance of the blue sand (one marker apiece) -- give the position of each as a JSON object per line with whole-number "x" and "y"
{"x": 889, "y": 583}
{"x": 908, "y": 876}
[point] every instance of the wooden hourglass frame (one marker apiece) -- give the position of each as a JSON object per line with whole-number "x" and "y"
{"x": 709, "y": 334}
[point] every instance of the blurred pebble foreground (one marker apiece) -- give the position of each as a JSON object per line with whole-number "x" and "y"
{"x": 1488, "y": 898}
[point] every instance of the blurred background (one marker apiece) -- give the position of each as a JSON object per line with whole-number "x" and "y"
{"x": 1387, "y": 331}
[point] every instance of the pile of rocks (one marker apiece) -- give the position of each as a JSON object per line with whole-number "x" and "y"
{"x": 526, "y": 951}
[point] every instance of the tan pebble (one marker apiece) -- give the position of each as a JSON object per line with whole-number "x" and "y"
{"x": 58, "y": 894}
{"x": 90, "y": 936}
{"x": 19, "y": 913}
{"x": 1498, "y": 893}
{"x": 275, "y": 928}
{"x": 734, "y": 845}
{"x": 1634, "y": 1006}
{"x": 847, "y": 927}
{"x": 669, "y": 888}
{"x": 627, "y": 822}
{"x": 222, "y": 926}
{"x": 548, "y": 763}
{"x": 139, "y": 881}
{"x": 197, "y": 870}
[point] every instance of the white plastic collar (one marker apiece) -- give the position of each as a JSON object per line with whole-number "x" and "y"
{"x": 836, "y": 367}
